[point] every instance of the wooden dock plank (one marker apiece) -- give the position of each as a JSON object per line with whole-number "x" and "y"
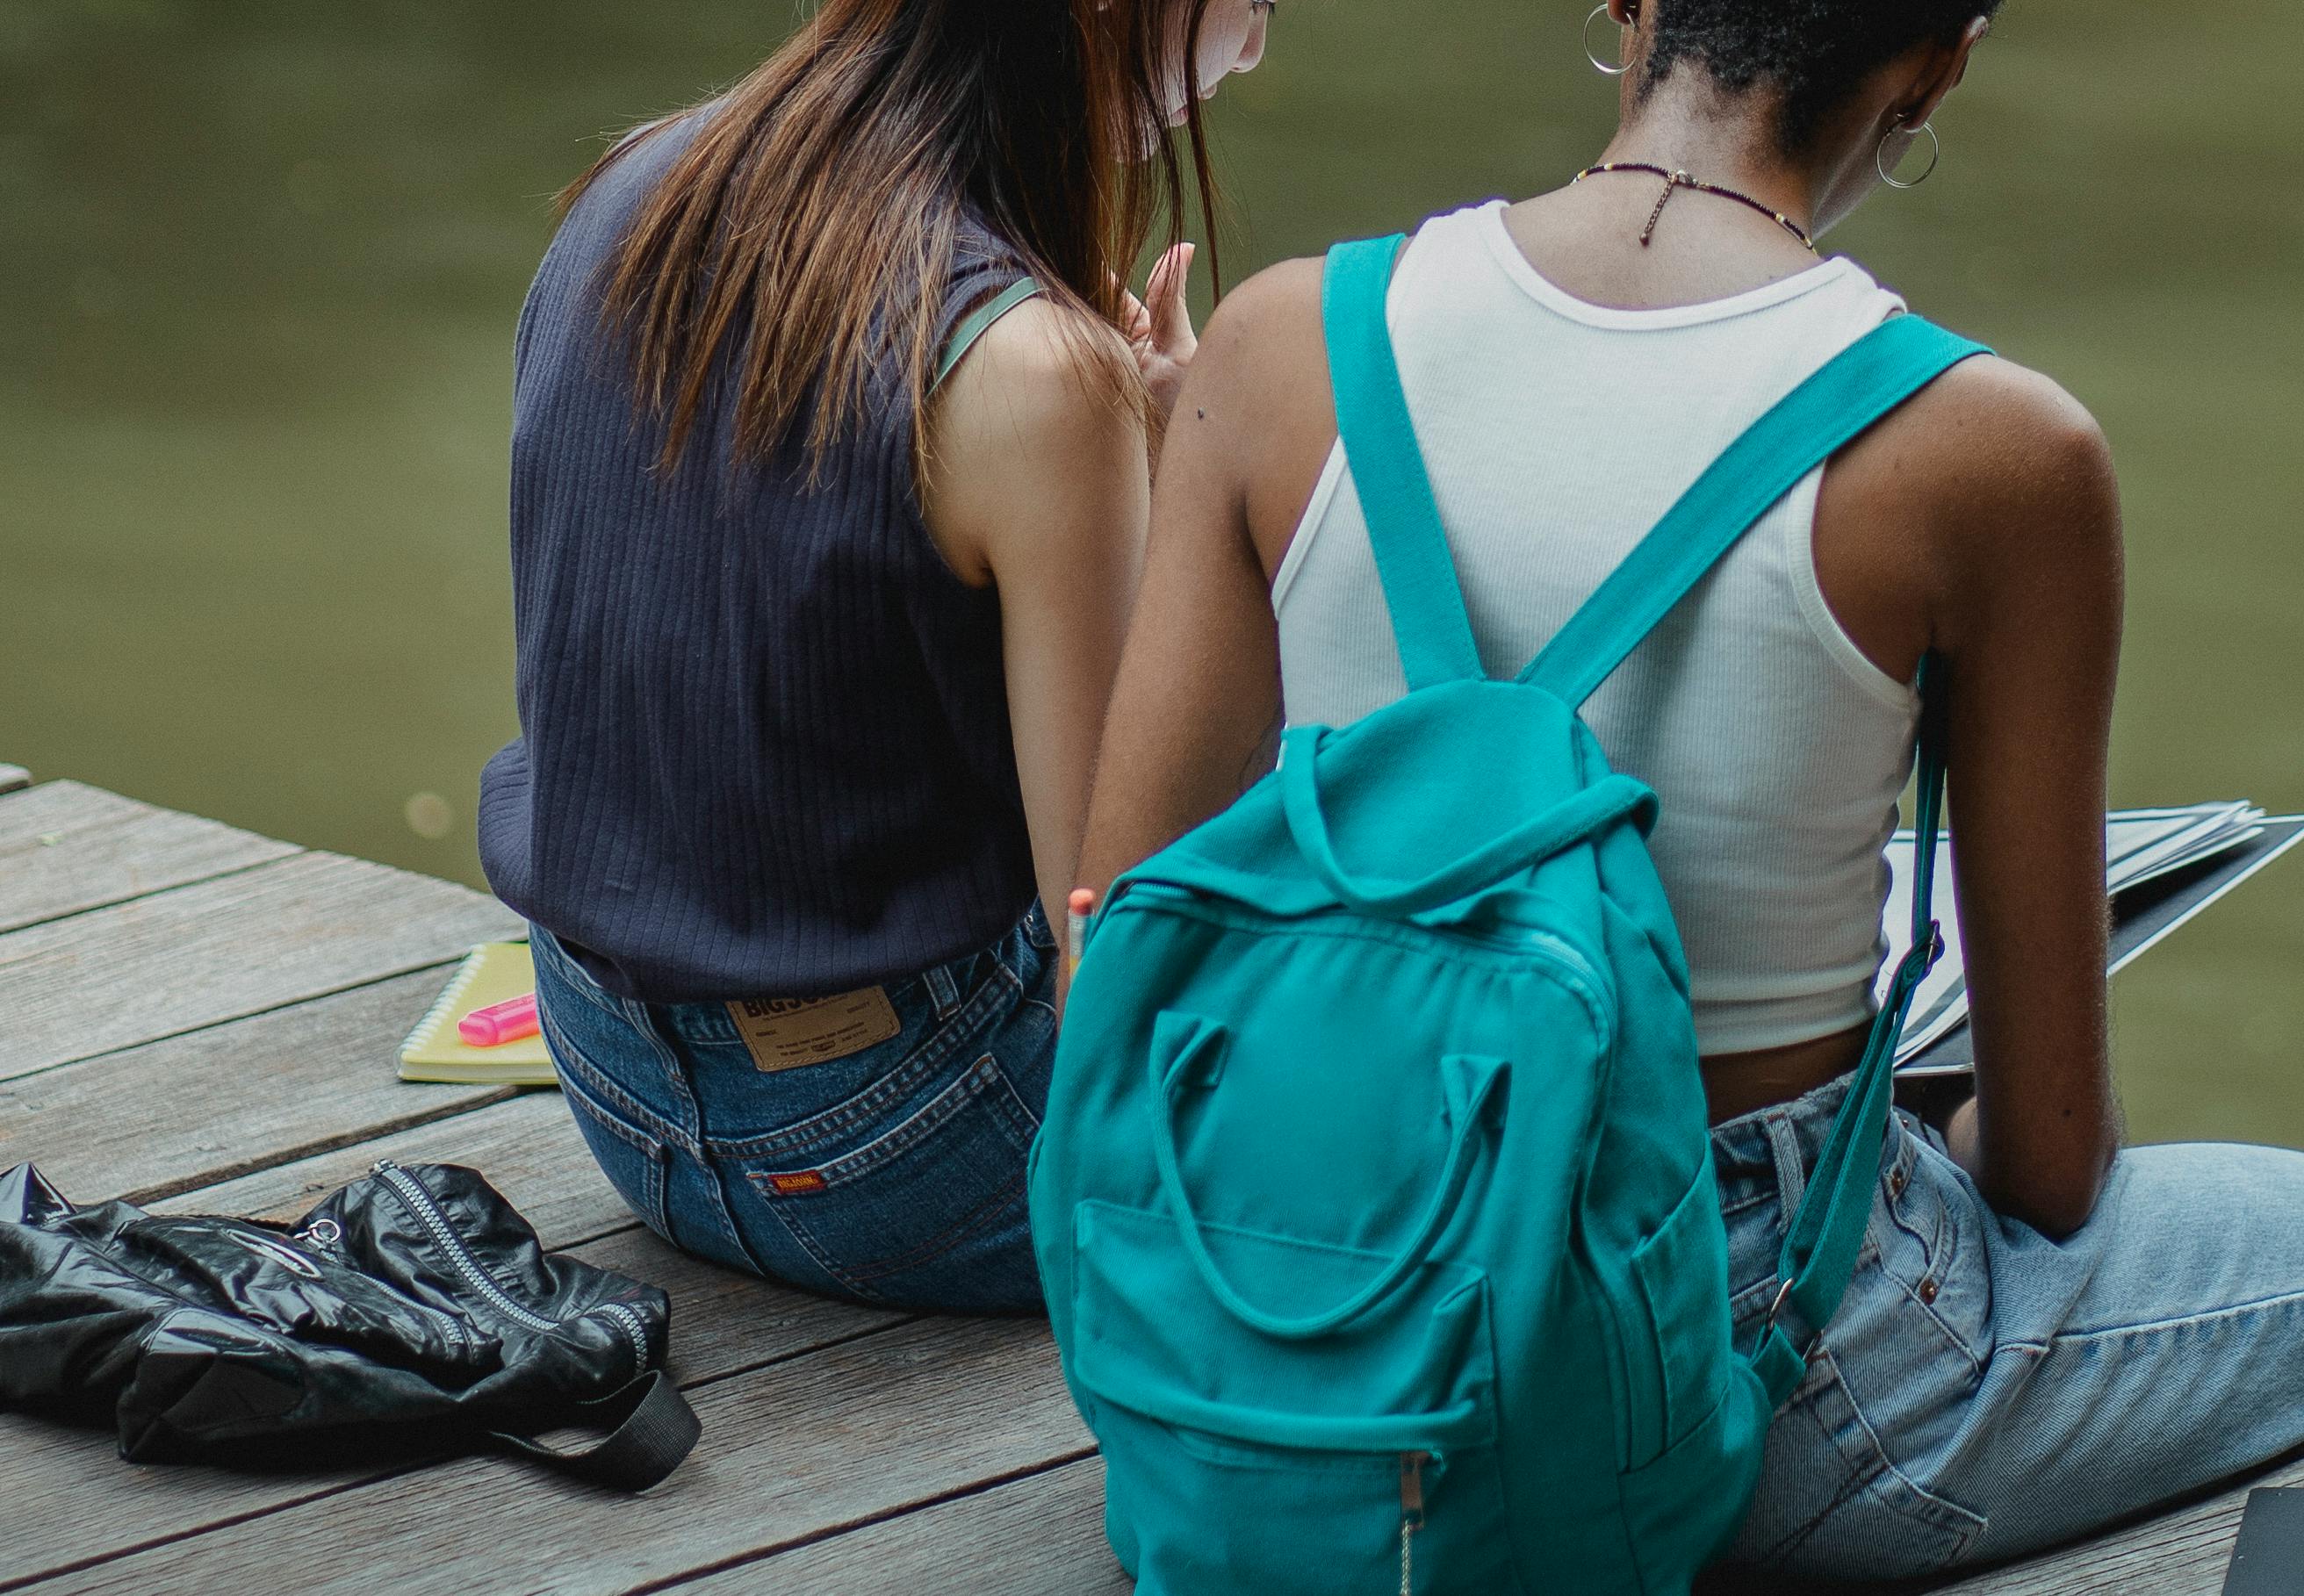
{"x": 854, "y": 1432}
{"x": 1042, "y": 1536}
{"x": 65, "y": 848}
{"x": 528, "y": 1148}
{"x": 194, "y": 956}
{"x": 2182, "y": 1553}
{"x": 847, "y": 1449}
{"x": 723, "y": 1321}
{"x": 72, "y": 1501}
{"x": 151, "y": 1121}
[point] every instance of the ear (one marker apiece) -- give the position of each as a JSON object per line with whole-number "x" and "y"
{"x": 1940, "y": 72}
{"x": 1625, "y": 14}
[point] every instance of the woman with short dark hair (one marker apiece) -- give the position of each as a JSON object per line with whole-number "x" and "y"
{"x": 829, "y": 485}
{"x": 2045, "y": 1332}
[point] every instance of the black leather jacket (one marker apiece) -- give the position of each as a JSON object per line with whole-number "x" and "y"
{"x": 414, "y": 1306}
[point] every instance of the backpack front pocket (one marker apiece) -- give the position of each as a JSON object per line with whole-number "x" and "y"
{"x": 1361, "y": 1460}
{"x": 1681, "y": 1276}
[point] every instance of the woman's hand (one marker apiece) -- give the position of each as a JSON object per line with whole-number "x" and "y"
{"x": 1160, "y": 328}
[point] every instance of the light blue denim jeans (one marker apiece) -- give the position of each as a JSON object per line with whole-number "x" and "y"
{"x": 891, "y": 1173}
{"x": 1984, "y": 1391}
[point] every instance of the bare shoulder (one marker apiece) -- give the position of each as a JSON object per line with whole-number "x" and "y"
{"x": 1030, "y": 439}
{"x": 1265, "y": 337}
{"x": 1990, "y": 481}
{"x": 1037, "y": 375}
{"x": 1258, "y": 399}
{"x": 2010, "y": 465}
{"x": 1280, "y": 301}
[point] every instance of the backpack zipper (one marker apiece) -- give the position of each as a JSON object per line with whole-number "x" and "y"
{"x": 1548, "y": 946}
{"x": 1411, "y": 1514}
{"x": 419, "y": 1202}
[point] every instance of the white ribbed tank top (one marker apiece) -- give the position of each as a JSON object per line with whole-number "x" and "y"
{"x": 1557, "y": 433}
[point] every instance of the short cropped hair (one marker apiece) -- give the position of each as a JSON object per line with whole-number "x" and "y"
{"x": 1812, "y": 52}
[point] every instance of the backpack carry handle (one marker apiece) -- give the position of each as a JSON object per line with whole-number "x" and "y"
{"x": 1605, "y": 802}
{"x": 1470, "y": 1080}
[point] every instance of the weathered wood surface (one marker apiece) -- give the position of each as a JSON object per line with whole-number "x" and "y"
{"x": 205, "y": 1020}
{"x": 808, "y": 1445}
{"x": 723, "y": 1324}
{"x": 1042, "y": 1536}
{"x": 2182, "y": 1553}
{"x": 65, "y": 848}
{"x": 148, "y": 1122}
{"x": 193, "y": 956}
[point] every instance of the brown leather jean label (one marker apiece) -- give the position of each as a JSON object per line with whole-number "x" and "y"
{"x": 787, "y": 1032}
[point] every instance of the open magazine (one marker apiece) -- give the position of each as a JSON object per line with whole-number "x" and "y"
{"x": 2161, "y": 866}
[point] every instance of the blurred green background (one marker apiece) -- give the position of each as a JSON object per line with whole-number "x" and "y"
{"x": 259, "y": 262}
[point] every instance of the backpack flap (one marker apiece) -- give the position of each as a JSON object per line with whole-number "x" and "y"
{"x": 1452, "y": 796}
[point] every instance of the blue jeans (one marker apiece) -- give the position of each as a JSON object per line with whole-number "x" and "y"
{"x": 1984, "y": 1391}
{"x": 890, "y": 1171}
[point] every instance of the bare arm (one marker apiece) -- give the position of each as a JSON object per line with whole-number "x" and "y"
{"x": 2026, "y": 611}
{"x": 1041, "y": 490}
{"x": 1196, "y": 712}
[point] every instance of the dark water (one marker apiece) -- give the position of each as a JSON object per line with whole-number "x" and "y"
{"x": 259, "y": 261}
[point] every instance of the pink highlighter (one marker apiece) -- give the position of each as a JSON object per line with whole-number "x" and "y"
{"x": 499, "y": 1023}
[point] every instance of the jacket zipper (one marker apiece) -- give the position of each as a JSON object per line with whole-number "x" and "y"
{"x": 326, "y": 1236}
{"x": 634, "y": 1327}
{"x": 411, "y": 1193}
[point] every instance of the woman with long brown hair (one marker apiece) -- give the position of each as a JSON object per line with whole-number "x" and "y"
{"x": 829, "y": 487}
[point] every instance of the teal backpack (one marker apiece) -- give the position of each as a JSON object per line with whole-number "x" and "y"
{"x": 1375, "y": 1200}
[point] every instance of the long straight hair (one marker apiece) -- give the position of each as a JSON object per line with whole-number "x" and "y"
{"x": 814, "y": 213}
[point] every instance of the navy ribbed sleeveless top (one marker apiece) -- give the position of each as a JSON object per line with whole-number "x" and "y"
{"x": 764, "y": 745}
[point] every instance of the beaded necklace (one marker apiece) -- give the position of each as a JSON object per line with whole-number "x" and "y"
{"x": 1680, "y": 180}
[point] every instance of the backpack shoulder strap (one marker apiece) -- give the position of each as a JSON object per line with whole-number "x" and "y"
{"x": 1853, "y": 390}
{"x": 1429, "y": 619}
{"x": 1827, "y": 1229}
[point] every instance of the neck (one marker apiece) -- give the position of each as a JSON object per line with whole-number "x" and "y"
{"x": 1719, "y": 139}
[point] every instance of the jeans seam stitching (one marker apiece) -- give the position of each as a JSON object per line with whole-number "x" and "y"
{"x": 2280, "y": 1300}
{"x": 946, "y": 1240}
{"x": 946, "y": 1105}
{"x": 807, "y": 1243}
{"x": 899, "y": 1084}
{"x": 631, "y": 1136}
{"x": 1970, "y": 1524}
{"x": 614, "y": 1100}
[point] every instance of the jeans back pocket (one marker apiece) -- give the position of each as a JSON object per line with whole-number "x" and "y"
{"x": 921, "y": 1208}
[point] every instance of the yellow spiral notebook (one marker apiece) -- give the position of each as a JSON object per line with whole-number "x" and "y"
{"x": 493, "y": 972}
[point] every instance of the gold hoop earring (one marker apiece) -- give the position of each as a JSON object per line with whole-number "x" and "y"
{"x": 1880, "y": 156}
{"x": 1598, "y": 66}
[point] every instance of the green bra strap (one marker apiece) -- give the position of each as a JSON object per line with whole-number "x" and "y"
{"x": 978, "y": 322}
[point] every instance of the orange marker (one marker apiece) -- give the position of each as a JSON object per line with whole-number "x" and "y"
{"x": 1077, "y": 907}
